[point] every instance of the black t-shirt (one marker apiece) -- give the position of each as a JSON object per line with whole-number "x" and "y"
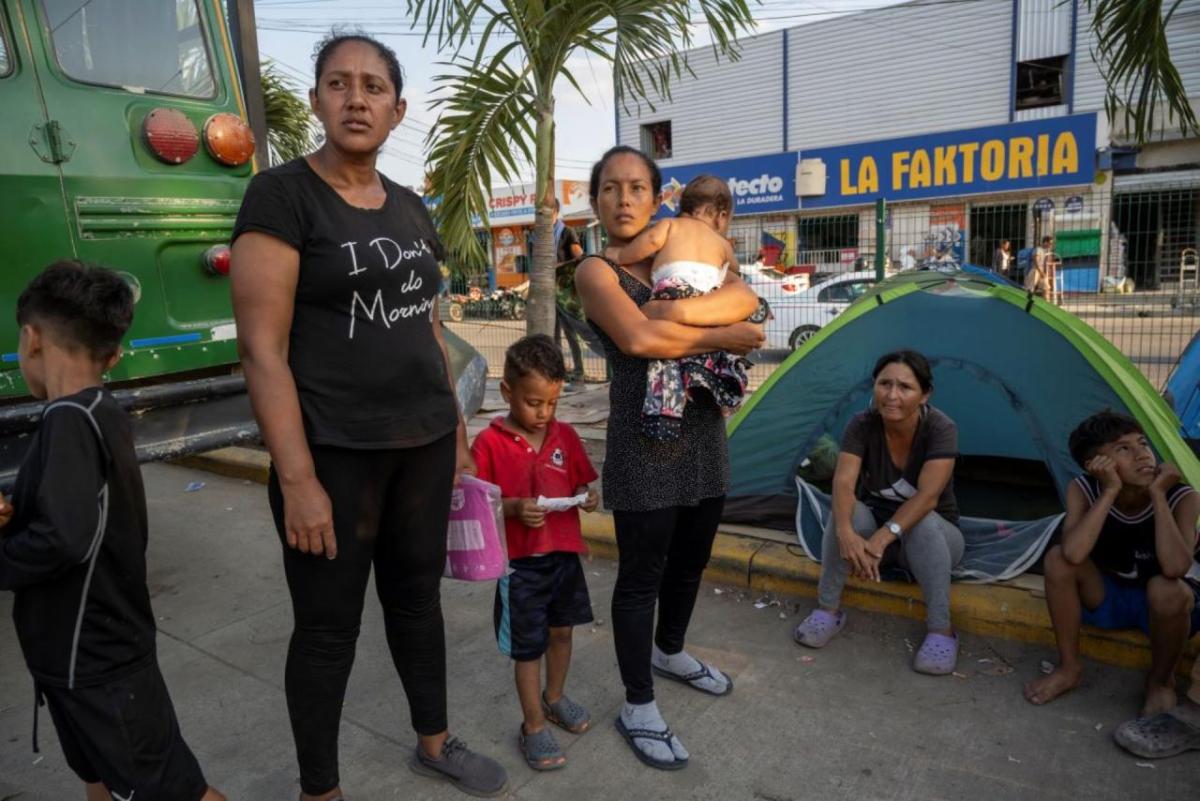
{"x": 882, "y": 486}
{"x": 566, "y": 239}
{"x": 77, "y": 542}
{"x": 1126, "y": 547}
{"x": 368, "y": 369}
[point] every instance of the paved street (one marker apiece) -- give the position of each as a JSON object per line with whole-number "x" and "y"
{"x": 850, "y": 722}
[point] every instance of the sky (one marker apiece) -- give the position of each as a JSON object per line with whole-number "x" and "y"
{"x": 289, "y": 29}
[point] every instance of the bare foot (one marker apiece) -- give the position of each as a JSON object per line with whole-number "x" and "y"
{"x": 1159, "y": 698}
{"x": 1047, "y": 688}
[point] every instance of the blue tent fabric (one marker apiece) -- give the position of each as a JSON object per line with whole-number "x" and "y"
{"x": 996, "y": 550}
{"x": 1184, "y": 386}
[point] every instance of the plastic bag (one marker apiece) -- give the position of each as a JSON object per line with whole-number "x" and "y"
{"x": 475, "y": 541}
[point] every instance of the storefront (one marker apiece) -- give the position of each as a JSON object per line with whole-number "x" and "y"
{"x": 511, "y": 216}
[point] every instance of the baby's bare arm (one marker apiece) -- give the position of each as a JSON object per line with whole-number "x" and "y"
{"x": 644, "y": 245}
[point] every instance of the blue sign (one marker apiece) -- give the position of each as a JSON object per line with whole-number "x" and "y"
{"x": 1074, "y": 204}
{"x": 1060, "y": 151}
{"x": 1044, "y": 204}
{"x": 759, "y": 184}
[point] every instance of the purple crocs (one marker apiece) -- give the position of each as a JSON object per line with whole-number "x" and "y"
{"x": 937, "y": 656}
{"x": 819, "y": 628}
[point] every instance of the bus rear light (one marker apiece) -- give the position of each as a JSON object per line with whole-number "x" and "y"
{"x": 229, "y": 140}
{"x": 170, "y": 135}
{"x": 217, "y": 259}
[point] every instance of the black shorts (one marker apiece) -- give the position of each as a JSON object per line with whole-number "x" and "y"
{"x": 541, "y": 593}
{"x": 124, "y": 735}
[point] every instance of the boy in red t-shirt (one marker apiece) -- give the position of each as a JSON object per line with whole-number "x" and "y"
{"x": 533, "y": 457}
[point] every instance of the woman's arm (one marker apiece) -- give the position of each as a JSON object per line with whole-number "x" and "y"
{"x": 607, "y": 305}
{"x": 935, "y": 475}
{"x": 733, "y": 302}
{"x": 464, "y": 462}
{"x": 851, "y": 546}
{"x": 264, "y": 274}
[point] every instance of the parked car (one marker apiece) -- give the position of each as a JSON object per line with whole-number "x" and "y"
{"x": 800, "y": 312}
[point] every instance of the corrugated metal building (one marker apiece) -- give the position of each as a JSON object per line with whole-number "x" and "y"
{"x": 953, "y": 112}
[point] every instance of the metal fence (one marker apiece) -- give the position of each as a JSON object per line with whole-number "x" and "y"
{"x": 1122, "y": 258}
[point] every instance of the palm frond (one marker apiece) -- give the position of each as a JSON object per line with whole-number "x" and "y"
{"x": 484, "y": 126}
{"x": 1134, "y": 57}
{"x": 291, "y": 129}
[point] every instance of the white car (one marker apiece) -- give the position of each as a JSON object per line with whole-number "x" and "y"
{"x": 800, "y": 312}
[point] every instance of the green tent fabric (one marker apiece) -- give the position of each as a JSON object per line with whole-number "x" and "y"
{"x": 1015, "y": 373}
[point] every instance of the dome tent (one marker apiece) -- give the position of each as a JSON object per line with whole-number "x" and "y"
{"x": 1015, "y": 373}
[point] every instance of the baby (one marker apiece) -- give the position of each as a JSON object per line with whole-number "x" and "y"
{"x": 691, "y": 257}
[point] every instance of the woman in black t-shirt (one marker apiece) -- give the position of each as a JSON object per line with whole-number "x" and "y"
{"x": 666, "y": 497}
{"x": 894, "y": 484}
{"x": 335, "y": 286}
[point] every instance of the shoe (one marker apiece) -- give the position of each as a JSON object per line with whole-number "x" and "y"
{"x": 470, "y": 772}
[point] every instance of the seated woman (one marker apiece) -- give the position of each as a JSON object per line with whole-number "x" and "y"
{"x": 894, "y": 486}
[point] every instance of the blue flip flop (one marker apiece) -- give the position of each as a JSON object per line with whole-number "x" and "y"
{"x": 648, "y": 734}
{"x": 705, "y": 672}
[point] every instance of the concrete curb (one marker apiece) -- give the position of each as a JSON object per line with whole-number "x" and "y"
{"x": 1011, "y": 610}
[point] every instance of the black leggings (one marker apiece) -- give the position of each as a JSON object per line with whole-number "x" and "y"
{"x": 662, "y": 556}
{"x": 390, "y": 509}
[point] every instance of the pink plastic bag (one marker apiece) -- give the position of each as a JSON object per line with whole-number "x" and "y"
{"x": 475, "y": 540}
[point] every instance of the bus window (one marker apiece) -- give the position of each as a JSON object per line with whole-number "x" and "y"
{"x": 93, "y": 41}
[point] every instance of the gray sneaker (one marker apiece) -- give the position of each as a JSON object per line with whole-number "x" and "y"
{"x": 470, "y": 772}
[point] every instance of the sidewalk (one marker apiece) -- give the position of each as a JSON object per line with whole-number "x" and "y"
{"x": 850, "y": 722}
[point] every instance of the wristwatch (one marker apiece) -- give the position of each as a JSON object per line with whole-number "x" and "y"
{"x": 895, "y": 528}
{"x": 762, "y": 313}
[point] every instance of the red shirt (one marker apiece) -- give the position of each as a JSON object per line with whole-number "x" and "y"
{"x": 504, "y": 458}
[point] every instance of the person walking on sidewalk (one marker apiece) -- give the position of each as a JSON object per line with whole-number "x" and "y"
{"x": 893, "y": 495}
{"x": 335, "y": 284}
{"x": 666, "y": 496}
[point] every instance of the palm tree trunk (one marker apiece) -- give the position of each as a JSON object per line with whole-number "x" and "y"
{"x": 540, "y": 312}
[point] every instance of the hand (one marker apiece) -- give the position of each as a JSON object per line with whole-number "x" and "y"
{"x": 593, "y": 500}
{"x": 853, "y": 549}
{"x": 741, "y": 338}
{"x": 1104, "y": 468}
{"x": 876, "y": 546}
{"x": 660, "y": 310}
{"x": 1167, "y": 477}
{"x": 464, "y": 462}
{"x": 529, "y": 513}
{"x": 6, "y": 511}
{"x": 308, "y": 518}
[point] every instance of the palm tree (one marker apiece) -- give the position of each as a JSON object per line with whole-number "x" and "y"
{"x": 496, "y": 108}
{"x": 290, "y": 129}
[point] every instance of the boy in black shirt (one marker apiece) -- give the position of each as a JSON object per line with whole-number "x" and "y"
{"x": 73, "y": 548}
{"x": 1127, "y": 558}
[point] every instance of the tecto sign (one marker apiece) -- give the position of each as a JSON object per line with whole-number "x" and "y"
{"x": 758, "y": 184}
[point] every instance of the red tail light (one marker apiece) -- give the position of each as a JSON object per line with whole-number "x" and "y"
{"x": 170, "y": 135}
{"x": 217, "y": 259}
{"x": 229, "y": 140}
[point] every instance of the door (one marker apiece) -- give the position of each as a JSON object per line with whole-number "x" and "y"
{"x": 33, "y": 219}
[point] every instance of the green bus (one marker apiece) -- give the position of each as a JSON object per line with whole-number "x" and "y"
{"x": 129, "y": 134}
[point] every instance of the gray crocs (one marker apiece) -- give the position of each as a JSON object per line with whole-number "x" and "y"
{"x": 819, "y": 628}
{"x": 1157, "y": 737}
{"x": 470, "y": 772}
{"x": 541, "y": 750}
{"x": 566, "y": 713}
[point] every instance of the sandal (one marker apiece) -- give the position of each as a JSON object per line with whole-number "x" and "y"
{"x": 1162, "y": 735}
{"x": 937, "y": 656}
{"x": 567, "y": 714}
{"x": 541, "y": 750}
{"x": 819, "y": 628}
{"x": 648, "y": 734}
{"x": 705, "y": 672}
